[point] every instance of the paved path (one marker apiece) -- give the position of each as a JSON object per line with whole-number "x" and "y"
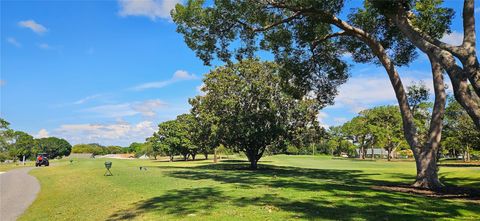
{"x": 17, "y": 192}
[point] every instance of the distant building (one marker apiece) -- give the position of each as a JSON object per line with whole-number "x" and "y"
{"x": 377, "y": 152}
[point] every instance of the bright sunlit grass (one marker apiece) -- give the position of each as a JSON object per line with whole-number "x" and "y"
{"x": 284, "y": 188}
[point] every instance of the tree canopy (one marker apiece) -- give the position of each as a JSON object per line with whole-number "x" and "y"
{"x": 247, "y": 109}
{"x": 307, "y": 39}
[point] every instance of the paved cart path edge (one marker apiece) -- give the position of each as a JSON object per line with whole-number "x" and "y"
{"x": 18, "y": 190}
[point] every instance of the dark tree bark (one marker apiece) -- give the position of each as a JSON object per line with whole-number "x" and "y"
{"x": 445, "y": 54}
{"x": 253, "y": 157}
{"x": 193, "y": 156}
{"x": 215, "y": 160}
{"x": 426, "y": 157}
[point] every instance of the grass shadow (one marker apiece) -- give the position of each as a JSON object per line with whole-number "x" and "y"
{"x": 182, "y": 202}
{"x": 327, "y": 194}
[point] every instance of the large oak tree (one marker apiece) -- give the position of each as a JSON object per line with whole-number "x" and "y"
{"x": 307, "y": 38}
{"x": 247, "y": 110}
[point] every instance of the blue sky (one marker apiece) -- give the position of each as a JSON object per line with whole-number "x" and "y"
{"x": 110, "y": 71}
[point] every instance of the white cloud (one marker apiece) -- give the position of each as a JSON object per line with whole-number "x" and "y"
{"x": 121, "y": 133}
{"x": 34, "y": 26}
{"x": 44, "y": 46}
{"x": 199, "y": 89}
{"x": 43, "y": 133}
{"x": 454, "y": 38}
{"x": 360, "y": 93}
{"x": 183, "y": 75}
{"x": 321, "y": 116}
{"x": 179, "y": 75}
{"x": 146, "y": 109}
{"x": 88, "y": 98}
{"x": 112, "y": 110}
{"x": 340, "y": 120}
{"x": 14, "y": 42}
{"x": 150, "y": 8}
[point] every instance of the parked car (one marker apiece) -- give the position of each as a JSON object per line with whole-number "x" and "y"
{"x": 42, "y": 159}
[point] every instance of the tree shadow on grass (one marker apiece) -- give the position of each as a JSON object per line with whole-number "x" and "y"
{"x": 178, "y": 202}
{"x": 324, "y": 194}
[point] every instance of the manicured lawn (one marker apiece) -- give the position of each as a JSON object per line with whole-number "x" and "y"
{"x": 10, "y": 166}
{"x": 284, "y": 188}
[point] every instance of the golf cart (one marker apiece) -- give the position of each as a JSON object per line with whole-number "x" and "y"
{"x": 42, "y": 159}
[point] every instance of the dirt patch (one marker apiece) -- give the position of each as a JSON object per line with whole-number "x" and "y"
{"x": 450, "y": 192}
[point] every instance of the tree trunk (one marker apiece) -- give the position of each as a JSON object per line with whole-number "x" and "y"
{"x": 215, "y": 160}
{"x": 253, "y": 164}
{"x": 469, "y": 99}
{"x": 206, "y": 155}
{"x": 426, "y": 157}
{"x": 253, "y": 158}
{"x": 373, "y": 153}
{"x": 185, "y": 157}
{"x": 193, "y": 156}
{"x": 389, "y": 151}
{"x": 427, "y": 170}
{"x": 171, "y": 157}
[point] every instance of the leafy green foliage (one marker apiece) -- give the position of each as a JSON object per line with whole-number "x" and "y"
{"x": 54, "y": 147}
{"x": 460, "y": 134}
{"x": 376, "y": 127}
{"x": 174, "y": 137}
{"x": 97, "y": 149}
{"x": 306, "y": 65}
{"x": 248, "y": 111}
{"x": 428, "y": 16}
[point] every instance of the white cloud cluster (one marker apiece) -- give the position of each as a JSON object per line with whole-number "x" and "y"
{"x": 149, "y": 8}
{"x": 14, "y": 42}
{"x": 454, "y": 38}
{"x": 34, "y": 26}
{"x": 179, "y": 75}
{"x": 321, "y": 116}
{"x": 360, "y": 93}
{"x": 146, "y": 108}
{"x": 42, "y": 133}
{"x": 121, "y": 132}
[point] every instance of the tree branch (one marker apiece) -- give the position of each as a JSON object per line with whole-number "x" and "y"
{"x": 469, "y": 36}
{"x": 318, "y": 40}
{"x": 267, "y": 27}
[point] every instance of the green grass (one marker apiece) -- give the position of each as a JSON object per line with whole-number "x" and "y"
{"x": 284, "y": 188}
{"x": 10, "y": 166}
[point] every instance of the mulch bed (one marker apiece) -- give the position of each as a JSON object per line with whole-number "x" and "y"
{"x": 450, "y": 192}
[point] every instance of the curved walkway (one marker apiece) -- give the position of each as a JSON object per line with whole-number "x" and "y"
{"x": 17, "y": 191}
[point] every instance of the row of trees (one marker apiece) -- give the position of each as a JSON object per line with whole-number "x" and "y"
{"x": 307, "y": 39}
{"x": 15, "y": 145}
{"x": 381, "y": 127}
{"x": 97, "y": 149}
{"x": 244, "y": 109}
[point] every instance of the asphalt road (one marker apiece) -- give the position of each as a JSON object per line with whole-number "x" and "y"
{"x": 17, "y": 191}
